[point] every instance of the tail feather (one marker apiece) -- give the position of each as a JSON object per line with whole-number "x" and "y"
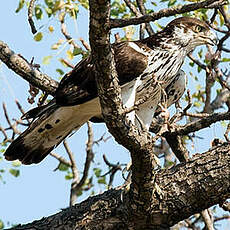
{"x": 49, "y": 130}
{"x": 39, "y": 111}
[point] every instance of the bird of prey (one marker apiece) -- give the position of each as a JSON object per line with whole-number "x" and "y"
{"x": 151, "y": 65}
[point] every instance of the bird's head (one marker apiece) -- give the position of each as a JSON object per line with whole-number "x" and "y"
{"x": 189, "y": 32}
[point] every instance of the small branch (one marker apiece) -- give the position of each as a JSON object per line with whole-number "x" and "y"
{"x": 67, "y": 63}
{"x": 85, "y": 44}
{"x": 114, "y": 23}
{"x": 60, "y": 159}
{"x": 23, "y": 68}
{"x": 13, "y": 127}
{"x": 202, "y": 123}
{"x": 76, "y": 184}
{"x": 176, "y": 144}
{"x": 73, "y": 195}
{"x": 65, "y": 32}
{"x": 142, "y": 9}
{"x": 114, "y": 168}
{"x": 207, "y": 220}
{"x": 197, "y": 61}
{"x": 30, "y": 15}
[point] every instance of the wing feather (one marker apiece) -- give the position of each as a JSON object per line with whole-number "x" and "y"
{"x": 79, "y": 85}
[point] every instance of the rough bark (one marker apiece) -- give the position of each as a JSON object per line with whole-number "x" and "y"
{"x": 187, "y": 188}
{"x": 26, "y": 70}
{"x": 139, "y": 143}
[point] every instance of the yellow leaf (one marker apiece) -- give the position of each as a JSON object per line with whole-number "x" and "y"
{"x": 51, "y": 29}
{"x": 70, "y": 54}
{"x": 38, "y": 37}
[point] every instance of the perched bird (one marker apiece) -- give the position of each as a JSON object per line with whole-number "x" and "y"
{"x": 149, "y": 66}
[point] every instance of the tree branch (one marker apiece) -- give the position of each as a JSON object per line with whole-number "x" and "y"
{"x": 26, "y": 70}
{"x": 114, "y": 23}
{"x": 189, "y": 188}
{"x": 139, "y": 143}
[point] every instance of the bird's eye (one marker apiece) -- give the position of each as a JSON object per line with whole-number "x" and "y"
{"x": 199, "y": 28}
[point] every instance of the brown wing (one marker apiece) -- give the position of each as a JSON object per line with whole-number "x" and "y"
{"x": 79, "y": 86}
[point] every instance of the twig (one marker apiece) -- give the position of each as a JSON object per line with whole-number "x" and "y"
{"x": 73, "y": 195}
{"x": 208, "y": 220}
{"x": 196, "y": 61}
{"x": 114, "y": 23}
{"x": 30, "y": 15}
{"x": 142, "y": 9}
{"x": 11, "y": 126}
{"x": 202, "y": 123}
{"x": 114, "y": 168}
{"x": 85, "y": 44}
{"x": 76, "y": 184}
{"x": 60, "y": 159}
{"x": 65, "y": 32}
{"x": 67, "y": 63}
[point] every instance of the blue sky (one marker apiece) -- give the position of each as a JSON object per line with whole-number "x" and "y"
{"x": 39, "y": 191}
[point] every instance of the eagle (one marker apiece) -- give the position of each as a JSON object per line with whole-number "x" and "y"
{"x": 150, "y": 65}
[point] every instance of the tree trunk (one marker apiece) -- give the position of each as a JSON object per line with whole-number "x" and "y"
{"x": 187, "y": 188}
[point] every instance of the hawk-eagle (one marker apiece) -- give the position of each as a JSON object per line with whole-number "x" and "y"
{"x": 151, "y": 64}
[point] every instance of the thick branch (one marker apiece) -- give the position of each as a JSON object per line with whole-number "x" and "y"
{"x": 139, "y": 143}
{"x": 114, "y": 23}
{"x": 26, "y": 70}
{"x": 188, "y": 189}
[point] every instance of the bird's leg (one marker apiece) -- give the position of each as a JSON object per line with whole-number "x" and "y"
{"x": 128, "y": 94}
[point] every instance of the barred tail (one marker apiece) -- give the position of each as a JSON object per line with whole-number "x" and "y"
{"x": 45, "y": 133}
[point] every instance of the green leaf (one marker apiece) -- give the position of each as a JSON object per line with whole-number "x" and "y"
{"x": 49, "y": 12}
{"x": 51, "y": 29}
{"x": 16, "y": 163}
{"x": 171, "y": 2}
{"x": 101, "y": 180}
{"x": 14, "y": 172}
{"x": 200, "y": 53}
{"x": 225, "y": 59}
{"x": 49, "y": 3}
{"x": 1, "y": 225}
{"x": 38, "y": 37}
{"x": 97, "y": 172}
{"x": 63, "y": 167}
{"x": 224, "y": 123}
{"x": 20, "y": 5}
{"x": 191, "y": 64}
{"x": 60, "y": 71}
{"x": 84, "y": 3}
{"x": 197, "y": 104}
{"x": 77, "y": 51}
{"x": 38, "y": 12}
{"x": 46, "y": 60}
{"x": 2, "y": 150}
{"x": 69, "y": 176}
{"x": 79, "y": 193}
